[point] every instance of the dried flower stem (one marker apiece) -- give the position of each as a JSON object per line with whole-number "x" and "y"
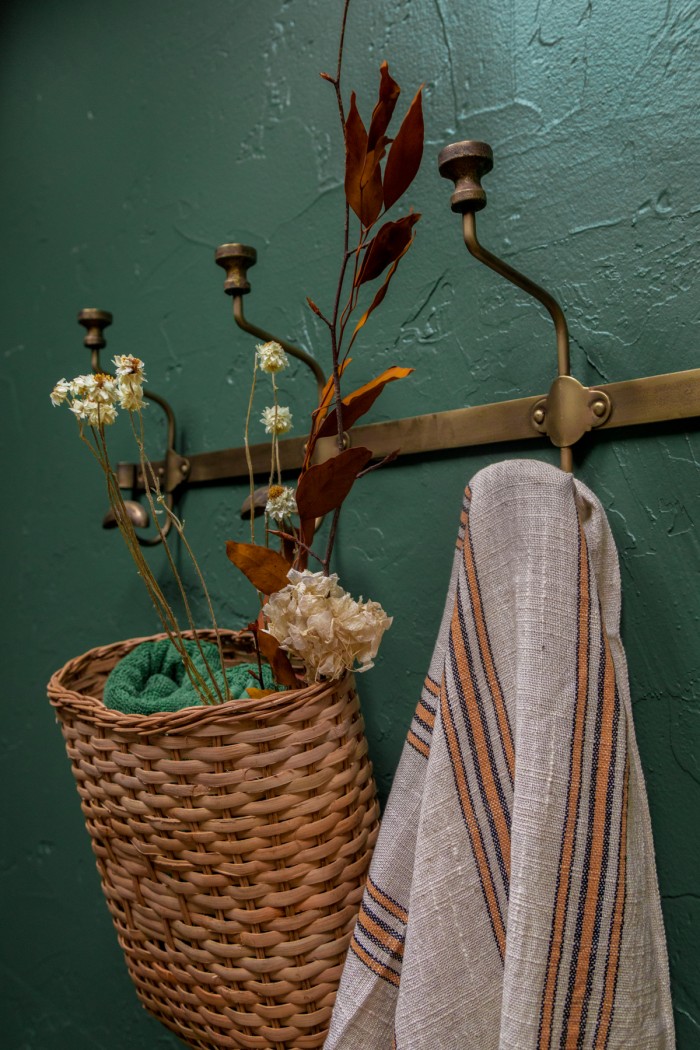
{"x": 151, "y": 484}
{"x": 331, "y": 541}
{"x": 248, "y": 458}
{"x": 335, "y": 345}
{"x": 126, "y": 528}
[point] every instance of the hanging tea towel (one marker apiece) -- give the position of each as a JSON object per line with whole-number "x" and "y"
{"x": 512, "y": 901}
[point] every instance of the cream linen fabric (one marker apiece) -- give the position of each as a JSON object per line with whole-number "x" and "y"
{"x": 512, "y": 901}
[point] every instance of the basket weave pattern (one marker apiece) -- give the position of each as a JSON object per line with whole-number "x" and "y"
{"x": 232, "y": 842}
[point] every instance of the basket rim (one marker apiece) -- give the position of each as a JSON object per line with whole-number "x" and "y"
{"x": 62, "y": 697}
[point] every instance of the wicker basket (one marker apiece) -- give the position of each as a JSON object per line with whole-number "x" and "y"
{"x": 233, "y": 843}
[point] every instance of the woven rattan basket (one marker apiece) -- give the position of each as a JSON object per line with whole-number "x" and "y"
{"x": 232, "y": 842}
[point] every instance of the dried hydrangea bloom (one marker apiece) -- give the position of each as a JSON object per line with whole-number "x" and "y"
{"x": 315, "y": 619}
{"x": 271, "y": 357}
{"x": 276, "y": 420}
{"x": 281, "y": 503}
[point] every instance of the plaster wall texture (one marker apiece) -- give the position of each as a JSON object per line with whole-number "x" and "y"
{"x": 139, "y": 136}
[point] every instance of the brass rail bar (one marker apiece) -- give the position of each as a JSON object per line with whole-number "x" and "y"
{"x": 654, "y": 399}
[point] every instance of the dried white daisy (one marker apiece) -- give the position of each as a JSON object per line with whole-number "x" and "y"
{"x": 281, "y": 503}
{"x": 131, "y": 398}
{"x": 96, "y": 413}
{"x": 101, "y": 388}
{"x": 81, "y": 386}
{"x": 271, "y": 357}
{"x": 60, "y": 392}
{"x": 129, "y": 368}
{"x": 276, "y": 420}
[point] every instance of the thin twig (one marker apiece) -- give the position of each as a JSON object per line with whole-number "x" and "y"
{"x": 382, "y": 462}
{"x": 331, "y": 541}
{"x": 248, "y": 458}
{"x": 298, "y": 541}
{"x": 126, "y": 528}
{"x": 178, "y": 525}
{"x": 333, "y": 326}
{"x": 149, "y": 487}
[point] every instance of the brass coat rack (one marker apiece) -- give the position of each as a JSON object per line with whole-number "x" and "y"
{"x": 563, "y": 415}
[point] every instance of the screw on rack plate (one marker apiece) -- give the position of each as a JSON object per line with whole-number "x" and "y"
{"x": 236, "y": 259}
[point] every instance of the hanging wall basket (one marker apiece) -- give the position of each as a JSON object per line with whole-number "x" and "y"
{"x": 232, "y": 842}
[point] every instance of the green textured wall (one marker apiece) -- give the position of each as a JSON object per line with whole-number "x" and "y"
{"x": 137, "y": 136}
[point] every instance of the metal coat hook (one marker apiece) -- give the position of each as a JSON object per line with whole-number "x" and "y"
{"x": 570, "y": 409}
{"x": 171, "y": 471}
{"x": 563, "y": 415}
{"x": 237, "y": 259}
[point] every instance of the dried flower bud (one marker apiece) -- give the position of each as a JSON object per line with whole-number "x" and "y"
{"x": 281, "y": 503}
{"x": 271, "y": 357}
{"x": 276, "y": 419}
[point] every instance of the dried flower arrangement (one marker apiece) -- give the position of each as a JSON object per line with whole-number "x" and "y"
{"x": 308, "y": 628}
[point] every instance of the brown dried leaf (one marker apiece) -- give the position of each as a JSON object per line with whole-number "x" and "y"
{"x": 386, "y": 246}
{"x": 288, "y": 548}
{"x": 259, "y": 694}
{"x": 361, "y": 400}
{"x": 320, "y": 413}
{"x": 266, "y": 569}
{"x": 389, "y": 92}
{"x": 405, "y": 154}
{"x": 277, "y": 659}
{"x": 371, "y": 192}
{"x": 324, "y": 486}
{"x": 355, "y": 156}
{"x": 379, "y": 297}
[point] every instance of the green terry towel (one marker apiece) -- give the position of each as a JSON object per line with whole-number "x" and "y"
{"x": 152, "y": 678}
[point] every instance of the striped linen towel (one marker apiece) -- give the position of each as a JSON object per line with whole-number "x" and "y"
{"x": 512, "y": 901}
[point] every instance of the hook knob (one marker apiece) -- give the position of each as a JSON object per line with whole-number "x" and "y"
{"x": 95, "y": 322}
{"x": 236, "y": 259}
{"x": 466, "y": 163}
{"x": 137, "y": 514}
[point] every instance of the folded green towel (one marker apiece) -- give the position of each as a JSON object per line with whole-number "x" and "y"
{"x": 152, "y": 678}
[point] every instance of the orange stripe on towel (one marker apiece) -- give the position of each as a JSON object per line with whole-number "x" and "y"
{"x": 388, "y": 940}
{"x": 473, "y": 827}
{"x": 605, "y": 753}
{"x": 481, "y": 755}
{"x": 616, "y": 932}
{"x": 430, "y": 685}
{"x": 392, "y": 906}
{"x": 420, "y": 745}
{"x": 381, "y": 971}
{"x": 569, "y": 833}
{"x": 425, "y": 714}
{"x": 487, "y": 656}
